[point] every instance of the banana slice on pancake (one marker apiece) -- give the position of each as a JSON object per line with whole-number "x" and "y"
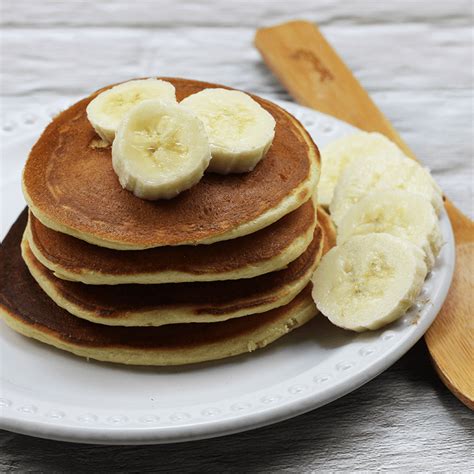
{"x": 160, "y": 150}
{"x": 107, "y": 110}
{"x": 240, "y": 130}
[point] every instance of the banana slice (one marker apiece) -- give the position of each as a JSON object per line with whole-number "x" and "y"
{"x": 400, "y": 213}
{"x": 340, "y": 153}
{"x": 240, "y": 131}
{"x": 160, "y": 150}
{"x": 369, "y": 281}
{"x": 376, "y": 173}
{"x": 106, "y": 111}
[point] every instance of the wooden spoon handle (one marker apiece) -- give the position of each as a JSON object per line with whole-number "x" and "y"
{"x": 316, "y": 76}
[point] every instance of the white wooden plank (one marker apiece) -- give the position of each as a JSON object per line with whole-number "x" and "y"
{"x": 406, "y": 56}
{"x": 438, "y": 126}
{"x": 172, "y": 13}
{"x": 76, "y": 61}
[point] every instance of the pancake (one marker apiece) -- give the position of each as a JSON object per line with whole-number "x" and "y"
{"x": 28, "y": 310}
{"x": 267, "y": 250}
{"x": 71, "y": 187}
{"x": 172, "y": 303}
{"x": 330, "y": 233}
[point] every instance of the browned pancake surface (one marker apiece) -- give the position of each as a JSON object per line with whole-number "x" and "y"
{"x": 75, "y": 255}
{"x": 23, "y": 299}
{"x": 74, "y": 185}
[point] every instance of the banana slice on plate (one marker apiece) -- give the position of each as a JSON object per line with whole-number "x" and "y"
{"x": 376, "y": 173}
{"x": 368, "y": 281}
{"x": 400, "y": 213}
{"x": 240, "y": 130}
{"x": 340, "y": 153}
{"x": 106, "y": 111}
{"x": 160, "y": 150}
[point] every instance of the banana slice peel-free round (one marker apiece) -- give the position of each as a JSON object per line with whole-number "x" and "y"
{"x": 377, "y": 173}
{"x": 160, "y": 150}
{"x": 339, "y": 154}
{"x": 240, "y": 130}
{"x": 402, "y": 214}
{"x": 368, "y": 281}
{"x": 107, "y": 110}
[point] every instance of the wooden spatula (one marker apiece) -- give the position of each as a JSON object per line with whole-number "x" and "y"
{"x": 316, "y": 76}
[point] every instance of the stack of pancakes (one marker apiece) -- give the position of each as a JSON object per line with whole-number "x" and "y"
{"x": 222, "y": 269}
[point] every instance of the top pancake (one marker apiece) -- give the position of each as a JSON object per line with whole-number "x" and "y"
{"x": 71, "y": 187}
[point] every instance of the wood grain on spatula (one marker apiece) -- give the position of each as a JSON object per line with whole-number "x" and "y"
{"x": 316, "y": 76}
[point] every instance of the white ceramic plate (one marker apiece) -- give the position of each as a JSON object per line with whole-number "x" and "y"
{"x": 53, "y": 394}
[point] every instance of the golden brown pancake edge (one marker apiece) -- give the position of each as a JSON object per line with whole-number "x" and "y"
{"x": 160, "y": 304}
{"x": 269, "y": 249}
{"x": 29, "y": 311}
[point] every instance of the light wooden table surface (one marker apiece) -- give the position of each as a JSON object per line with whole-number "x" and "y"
{"x": 416, "y": 60}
